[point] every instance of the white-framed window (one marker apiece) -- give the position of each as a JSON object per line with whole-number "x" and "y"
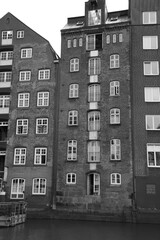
{"x": 94, "y": 66}
{"x": 94, "y": 17}
{"x": 41, "y": 125}
{"x": 115, "y": 179}
{"x": 22, "y": 126}
{"x": 6, "y": 55}
{"x": 94, "y": 93}
{"x": 152, "y": 94}
{"x": 114, "y": 38}
{"x": 149, "y": 17}
{"x": 153, "y": 154}
{"x": 153, "y": 122}
{"x": 40, "y": 156}
{"x": 25, "y": 76}
{"x": 115, "y": 116}
{"x": 150, "y": 42}
{"x": 43, "y": 99}
{"x": 72, "y": 150}
{"x": 7, "y": 35}
{"x": 39, "y": 186}
{"x": 94, "y": 121}
{"x": 74, "y": 65}
{"x": 151, "y": 67}
{"x": 74, "y": 91}
{"x": 19, "y": 156}
{"x": 108, "y": 39}
{"x": 69, "y": 43}
{"x": 23, "y": 100}
{"x": 4, "y": 101}
{"x": 114, "y": 61}
{"x": 80, "y": 42}
{"x": 115, "y": 149}
{"x": 93, "y": 184}
{"x": 73, "y": 118}
{"x": 94, "y": 151}
{"x": 20, "y": 34}
{"x": 120, "y": 37}
{"x": 70, "y": 178}
{"x": 44, "y": 74}
{"x": 17, "y": 188}
{"x": 26, "y": 53}
{"x": 74, "y": 42}
{"x": 5, "y": 76}
{"x": 94, "y": 42}
{"x": 115, "y": 88}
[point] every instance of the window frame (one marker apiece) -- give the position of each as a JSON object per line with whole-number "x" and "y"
{"x": 115, "y": 150}
{"x": 151, "y": 94}
{"x": 26, "y": 53}
{"x": 115, "y": 116}
{"x": 20, "y": 34}
{"x": 24, "y": 127}
{"x": 40, "y": 156}
{"x": 42, "y": 101}
{"x": 114, "y": 61}
{"x": 74, "y": 65}
{"x": 153, "y": 147}
{"x": 21, "y": 156}
{"x": 72, "y": 150}
{"x": 45, "y": 126}
{"x": 149, "y": 17}
{"x": 44, "y": 74}
{"x": 24, "y": 101}
{"x": 95, "y": 185}
{"x": 39, "y": 186}
{"x": 72, "y": 177}
{"x": 94, "y": 151}
{"x": 114, "y": 88}
{"x": 19, "y": 189}
{"x": 73, "y": 118}
{"x": 153, "y": 119}
{"x": 26, "y": 77}
{"x": 150, "y": 42}
{"x": 94, "y": 93}
{"x": 4, "y": 101}
{"x": 115, "y": 179}
{"x": 74, "y": 90}
{"x": 94, "y": 121}
{"x": 95, "y": 67}
{"x": 6, "y": 76}
{"x": 151, "y": 68}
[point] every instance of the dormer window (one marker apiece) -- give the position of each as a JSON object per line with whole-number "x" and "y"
{"x": 94, "y": 17}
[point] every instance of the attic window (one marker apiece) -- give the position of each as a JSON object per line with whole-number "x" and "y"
{"x": 114, "y": 19}
{"x": 94, "y": 17}
{"x": 79, "y": 23}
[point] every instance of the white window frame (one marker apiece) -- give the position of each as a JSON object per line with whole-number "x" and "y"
{"x": 115, "y": 116}
{"x": 6, "y": 55}
{"x": 43, "y": 99}
{"x": 74, "y": 65}
{"x": 115, "y": 88}
{"x": 108, "y": 39}
{"x": 23, "y": 100}
{"x": 115, "y": 179}
{"x": 42, "y": 126}
{"x": 94, "y": 66}
{"x": 19, "y": 156}
{"x": 151, "y": 17}
{"x": 114, "y": 61}
{"x": 5, "y": 76}
{"x": 20, "y": 34}
{"x": 94, "y": 93}
{"x": 151, "y": 64}
{"x": 115, "y": 150}
{"x": 153, "y": 148}
{"x": 71, "y": 178}
{"x": 22, "y": 124}
{"x": 153, "y": 120}
{"x": 94, "y": 121}
{"x": 7, "y": 35}
{"x": 44, "y": 74}
{"x": 95, "y": 186}
{"x": 152, "y": 94}
{"x": 24, "y": 76}
{"x": 73, "y": 90}
{"x": 40, "y": 156}
{"x": 73, "y": 118}
{"x": 39, "y": 186}
{"x": 4, "y": 101}
{"x": 72, "y": 150}
{"x": 114, "y": 38}
{"x": 80, "y": 42}
{"x": 91, "y": 42}
{"x": 94, "y": 151}
{"x": 26, "y": 53}
{"x": 69, "y": 43}
{"x": 74, "y": 42}
{"x": 120, "y": 36}
{"x": 150, "y": 42}
{"x": 17, "y": 190}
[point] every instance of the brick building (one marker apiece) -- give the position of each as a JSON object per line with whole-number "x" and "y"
{"x": 145, "y": 19}
{"x": 28, "y": 81}
{"x": 94, "y": 171}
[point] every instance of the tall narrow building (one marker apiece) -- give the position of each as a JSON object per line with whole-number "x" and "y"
{"x": 145, "y": 20}
{"x": 28, "y": 80}
{"x": 94, "y": 171}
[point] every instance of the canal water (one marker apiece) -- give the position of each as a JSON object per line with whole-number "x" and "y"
{"x": 79, "y": 230}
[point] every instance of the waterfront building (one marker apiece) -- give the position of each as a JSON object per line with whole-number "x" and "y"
{"x": 145, "y": 20}
{"x": 94, "y": 171}
{"x": 28, "y": 80}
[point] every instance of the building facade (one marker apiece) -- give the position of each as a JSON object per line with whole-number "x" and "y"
{"x": 28, "y": 80}
{"x": 94, "y": 171}
{"x": 145, "y": 20}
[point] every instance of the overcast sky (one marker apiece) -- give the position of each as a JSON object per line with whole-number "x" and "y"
{"x": 48, "y": 17}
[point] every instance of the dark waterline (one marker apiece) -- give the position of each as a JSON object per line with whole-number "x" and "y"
{"x": 79, "y": 230}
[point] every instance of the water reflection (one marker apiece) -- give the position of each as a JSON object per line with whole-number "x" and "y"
{"x": 79, "y": 230}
